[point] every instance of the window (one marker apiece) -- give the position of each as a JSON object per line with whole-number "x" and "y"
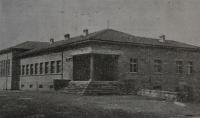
{"x": 133, "y": 65}
{"x": 46, "y": 67}
{"x": 58, "y": 66}
{"x": 1, "y": 63}
{"x": 31, "y": 69}
{"x": 40, "y": 86}
{"x": 5, "y": 68}
{"x": 22, "y": 86}
{"x": 51, "y": 86}
{"x": 27, "y": 69}
{"x": 41, "y": 68}
{"x": 31, "y": 86}
{"x": 23, "y": 70}
{"x": 8, "y": 67}
{"x": 158, "y": 87}
{"x": 36, "y": 68}
{"x": 190, "y": 67}
{"x": 179, "y": 67}
{"x": 52, "y": 66}
{"x": 0, "y": 69}
{"x": 4, "y": 65}
{"x": 158, "y": 66}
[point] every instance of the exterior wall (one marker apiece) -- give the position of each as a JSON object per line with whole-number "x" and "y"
{"x": 46, "y": 80}
{"x": 168, "y": 79}
{"x": 5, "y": 81}
{"x": 68, "y": 60}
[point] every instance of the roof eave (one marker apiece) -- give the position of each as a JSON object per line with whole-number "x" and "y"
{"x": 62, "y": 47}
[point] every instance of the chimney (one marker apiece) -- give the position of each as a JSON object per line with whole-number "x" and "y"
{"x": 51, "y": 40}
{"x": 67, "y": 36}
{"x": 85, "y": 31}
{"x": 162, "y": 38}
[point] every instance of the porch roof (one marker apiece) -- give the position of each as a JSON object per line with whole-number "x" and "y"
{"x": 94, "y": 51}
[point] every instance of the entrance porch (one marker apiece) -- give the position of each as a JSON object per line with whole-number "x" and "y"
{"x": 94, "y": 74}
{"x": 95, "y": 67}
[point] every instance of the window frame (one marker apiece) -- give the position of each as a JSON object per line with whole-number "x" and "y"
{"x": 58, "y": 66}
{"x": 0, "y": 69}
{"x": 46, "y": 67}
{"x": 8, "y": 66}
{"x": 27, "y": 69}
{"x": 52, "y": 67}
{"x": 133, "y": 65}
{"x": 40, "y": 86}
{"x": 179, "y": 67}
{"x": 36, "y": 68}
{"x": 31, "y": 86}
{"x": 158, "y": 66}
{"x": 31, "y": 69}
{"x": 190, "y": 67}
{"x": 41, "y": 68}
{"x": 22, "y": 85}
{"x": 4, "y": 68}
{"x": 23, "y": 67}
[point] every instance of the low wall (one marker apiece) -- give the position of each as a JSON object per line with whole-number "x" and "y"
{"x": 158, "y": 94}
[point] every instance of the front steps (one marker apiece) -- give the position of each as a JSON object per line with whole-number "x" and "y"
{"x": 76, "y": 87}
{"x": 102, "y": 88}
{"x": 92, "y": 88}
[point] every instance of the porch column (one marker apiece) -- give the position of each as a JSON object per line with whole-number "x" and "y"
{"x": 91, "y": 67}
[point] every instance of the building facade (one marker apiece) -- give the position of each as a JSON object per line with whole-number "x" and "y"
{"x": 10, "y": 64}
{"x": 5, "y": 71}
{"x": 107, "y": 57}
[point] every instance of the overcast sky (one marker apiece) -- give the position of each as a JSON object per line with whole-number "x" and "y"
{"x": 25, "y": 20}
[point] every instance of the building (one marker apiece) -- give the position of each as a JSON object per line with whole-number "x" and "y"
{"x": 101, "y": 62}
{"x": 10, "y": 65}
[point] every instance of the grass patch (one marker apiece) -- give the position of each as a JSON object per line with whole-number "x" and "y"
{"x": 57, "y": 105}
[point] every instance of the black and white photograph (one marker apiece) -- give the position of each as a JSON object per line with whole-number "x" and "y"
{"x": 99, "y": 58}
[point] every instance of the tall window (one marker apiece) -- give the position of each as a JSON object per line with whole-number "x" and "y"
{"x": 41, "y": 68}
{"x": 31, "y": 69}
{"x": 58, "y": 66}
{"x": 36, "y": 68}
{"x": 0, "y": 69}
{"x": 190, "y": 67}
{"x": 23, "y": 69}
{"x": 52, "y": 66}
{"x": 46, "y": 67}
{"x": 133, "y": 65}
{"x": 8, "y": 66}
{"x": 27, "y": 69}
{"x": 179, "y": 67}
{"x": 158, "y": 65}
{"x": 4, "y": 68}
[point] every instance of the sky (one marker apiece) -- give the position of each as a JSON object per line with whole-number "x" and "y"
{"x": 40, "y": 20}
